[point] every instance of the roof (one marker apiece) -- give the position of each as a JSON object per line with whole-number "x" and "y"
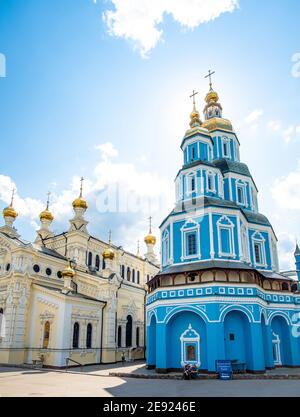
{"x": 227, "y": 165}
{"x": 202, "y": 202}
{"x": 71, "y": 294}
{"x": 50, "y": 252}
{"x": 198, "y": 266}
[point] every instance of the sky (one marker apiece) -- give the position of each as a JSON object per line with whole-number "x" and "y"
{"x": 100, "y": 89}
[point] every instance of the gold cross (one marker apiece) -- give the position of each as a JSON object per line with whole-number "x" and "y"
{"x": 12, "y": 197}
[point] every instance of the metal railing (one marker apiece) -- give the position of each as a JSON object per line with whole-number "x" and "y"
{"x": 77, "y": 363}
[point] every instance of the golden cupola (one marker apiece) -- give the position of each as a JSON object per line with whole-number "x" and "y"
{"x": 46, "y": 215}
{"x": 80, "y": 202}
{"x": 108, "y": 253}
{"x": 10, "y": 212}
{"x": 68, "y": 272}
{"x": 195, "y": 115}
{"x": 213, "y": 111}
{"x": 150, "y": 239}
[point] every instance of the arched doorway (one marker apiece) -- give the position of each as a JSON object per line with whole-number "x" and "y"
{"x": 237, "y": 338}
{"x": 129, "y": 331}
{"x": 281, "y": 341}
{"x": 151, "y": 343}
{"x": 186, "y": 340}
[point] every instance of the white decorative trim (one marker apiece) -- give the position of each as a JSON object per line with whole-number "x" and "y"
{"x": 230, "y": 227}
{"x": 185, "y": 230}
{"x": 189, "y": 340}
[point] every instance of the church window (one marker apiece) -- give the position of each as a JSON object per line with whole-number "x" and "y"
{"x": 226, "y": 237}
{"x": 137, "y": 336}
{"x": 76, "y": 335}
{"x": 231, "y": 337}
{"x": 165, "y": 248}
{"x": 133, "y": 275}
{"x": 90, "y": 259}
{"x": 193, "y": 153}
{"x": 190, "y": 239}
{"x": 211, "y": 182}
{"x": 191, "y": 183}
{"x": 119, "y": 336}
{"x": 59, "y": 274}
{"x": 46, "y": 335}
{"x": 1, "y": 323}
{"x": 257, "y": 253}
{"x": 129, "y": 331}
{"x": 148, "y": 278}
{"x": 97, "y": 262}
{"x": 294, "y": 287}
{"x": 48, "y": 272}
{"x": 123, "y": 271}
{"x": 285, "y": 286}
{"x": 36, "y": 268}
{"x": 258, "y": 249}
{"x": 191, "y": 244}
{"x": 226, "y": 148}
{"x": 89, "y": 333}
{"x": 138, "y": 277}
{"x": 103, "y": 264}
{"x": 8, "y": 267}
{"x": 128, "y": 274}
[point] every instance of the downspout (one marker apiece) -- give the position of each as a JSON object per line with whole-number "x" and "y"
{"x": 102, "y": 328}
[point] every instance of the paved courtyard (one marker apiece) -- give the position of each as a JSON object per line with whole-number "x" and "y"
{"x": 36, "y": 383}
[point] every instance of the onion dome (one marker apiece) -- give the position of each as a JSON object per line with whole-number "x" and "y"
{"x": 150, "y": 239}
{"x": 80, "y": 203}
{"x": 46, "y": 214}
{"x": 211, "y": 96}
{"x": 195, "y": 115}
{"x": 10, "y": 211}
{"x": 108, "y": 253}
{"x": 68, "y": 272}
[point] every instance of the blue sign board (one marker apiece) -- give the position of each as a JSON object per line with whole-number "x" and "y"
{"x": 224, "y": 369}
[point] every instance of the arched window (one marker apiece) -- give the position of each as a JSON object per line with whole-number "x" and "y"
{"x": 89, "y": 333}
{"x": 90, "y": 259}
{"x": 190, "y": 232}
{"x": 46, "y": 335}
{"x": 137, "y": 336}
{"x": 123, "y": 271}
{"x": 1, "y": 323}
{"x": 97, "y": 263}
{"x": 129, "y": 331}
{"x": 76, "y": 336}
{"x": 226, "y": 237}
{"x": 138, "y": 277}
{"x": 103, "y": 264}
{"x": 165, "y": 248}
{"x": 294, "y": 287}
{"x": 148, "y": 278}
{"x": 133, "y": 275}
{"x": 258, "y": 249}
{"x": 120, "y": 336}
{"x": 128, "y": 274}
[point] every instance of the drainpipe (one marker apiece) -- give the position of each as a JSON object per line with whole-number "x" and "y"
{"x": 102, "y": 326}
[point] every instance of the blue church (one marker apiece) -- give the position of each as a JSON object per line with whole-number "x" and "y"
{"x": 219, "y": 294}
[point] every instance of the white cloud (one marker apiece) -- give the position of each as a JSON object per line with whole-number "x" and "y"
{"x": 139, "y": 20}
{"x": 286, "y": 249}
{"x": 275, "y": 125}
{"x": 254, "y": 116}
{"x": 120, "y": 198}
{"x": 107, "y": 150}
{"x": 286, "y": 190}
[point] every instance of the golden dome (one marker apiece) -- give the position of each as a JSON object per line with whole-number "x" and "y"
{"x": 216, "y": 123}
{"x": 10, "y": 212}
{"x": 108, "y": 254}
{"x": 212, "y": 96}
{"x": 46, "y": 215}
{"x": 68, "y": 272}
{"x": 150, "y": 239}
{"x": 80, "y": 203}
